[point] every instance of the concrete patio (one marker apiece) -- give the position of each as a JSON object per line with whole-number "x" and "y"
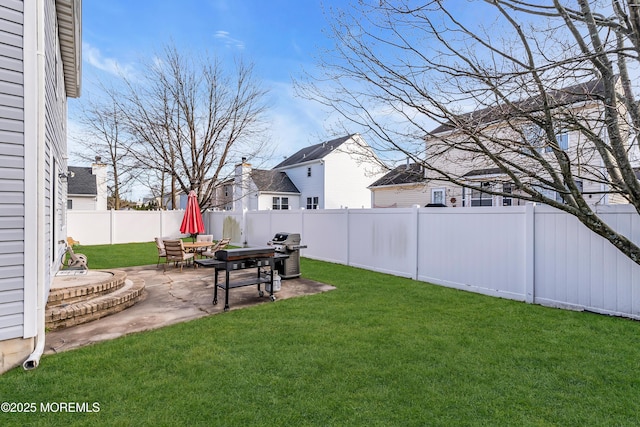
{"x": 171, "y": 297}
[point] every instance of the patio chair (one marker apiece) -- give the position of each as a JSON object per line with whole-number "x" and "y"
{"x": 221, "y": 244}
{"x": 76, "y": 261}
{"x": 204, "y": 238}
{"x": 175, "y": 253}
{"x": 161, "y": 251}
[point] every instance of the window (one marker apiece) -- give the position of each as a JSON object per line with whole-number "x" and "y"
{"x": 69, "y": 204}
{"x": 555, "y": 195}
{"x": 551, "y": 194}
{"x": 308, "y": 171}
{"x": 563, "y": 142}
{"x": 580, "y": 185}
{"x": 280, "y": 203}
{"x": 312, "y": 202}
{"x": 437, "y": 196}
{"x": 534, "y": 138}
{"x": 506, "y": 188}
{"x": 480, "y": 198}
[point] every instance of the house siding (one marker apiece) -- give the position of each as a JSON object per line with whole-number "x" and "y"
{"x": 309, "y": 186}
{"x": 12, "y": 173}
{"x": 400, "y": 196}
{"x": 56, "y": 145}
{"x": 265, "y": 200}
{"x": 83, "y": 203}
{"x": 349, "y": 170}
{"x": 31, "y": 196}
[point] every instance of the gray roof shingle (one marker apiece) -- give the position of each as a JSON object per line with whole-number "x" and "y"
{"x": 567, "y": 96}
{"x": 315, "y": 152}
{"x": 482, "y": 172}
{"x": 83, "y": 182}
{"x": 402, "y": 175}
{"x": 273, "y": 181}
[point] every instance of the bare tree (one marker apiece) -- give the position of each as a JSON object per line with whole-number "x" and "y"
{"x": 191, "y": 119}
{"x": 103, "y": 135}
{"x": 445, "y": 88}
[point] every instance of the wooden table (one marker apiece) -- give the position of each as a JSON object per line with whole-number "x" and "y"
{"x": 194, "y": 246}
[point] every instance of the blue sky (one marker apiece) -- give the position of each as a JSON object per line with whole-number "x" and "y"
{"x": 280, "y": 37}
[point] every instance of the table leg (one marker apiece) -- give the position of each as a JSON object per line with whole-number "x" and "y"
{"x": 271, "y": 266}
{"x": 226, "y": 291}
{"x": 215, "y": 287}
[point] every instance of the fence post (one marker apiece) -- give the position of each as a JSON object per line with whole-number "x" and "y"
{"x": 243, "y": 229}
{"x": 529, "y": 253}
{"x": 112, "y": 224}
{"x": 346, "y": 213}
{"x": 416, "y": 231}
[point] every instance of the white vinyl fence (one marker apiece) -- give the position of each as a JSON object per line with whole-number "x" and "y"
{"x": 528, "y": 253}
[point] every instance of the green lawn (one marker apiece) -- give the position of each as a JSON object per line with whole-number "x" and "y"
{"x": 120, "y": 255}
{"x": 377, "y": 351}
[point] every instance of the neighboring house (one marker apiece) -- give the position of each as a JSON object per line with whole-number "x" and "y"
{"x": 258, "y": 189}
{"x": 223, "y": 195}
{"x": 333, "y": 174}
{"x": 87, "y": 187}
{"x": 401, "y": 188}
{"x": 41, "y": 56}
{"x": 330, "y": 175}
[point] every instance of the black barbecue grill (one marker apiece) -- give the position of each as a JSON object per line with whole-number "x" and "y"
{"x": 289, "y": 244}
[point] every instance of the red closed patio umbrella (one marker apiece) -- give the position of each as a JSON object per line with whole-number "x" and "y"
{"x": 192, "y": 221}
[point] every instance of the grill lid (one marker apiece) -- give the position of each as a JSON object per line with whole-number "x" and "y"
{"x": 280, "y": 237}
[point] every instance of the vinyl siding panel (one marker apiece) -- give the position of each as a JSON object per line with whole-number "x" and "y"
{"x": 56, "y": 145}
{"x": 10, "y": 284}
{"x": 400, "y": 197}
{"x": 347, "y": 176}
{"x": 309, "y": 186}
{"x": 12, "y": 164}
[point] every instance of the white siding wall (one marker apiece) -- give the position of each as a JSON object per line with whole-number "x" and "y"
{"x": 265, "y": 201}
{"x": 313, "y": 186}
{"x": 83, "y": 203}
{"x": 400, "y": 197}
{"x": 348, "y": 173}
{"x": 12, "y": 172}
{"x": 56, "y": 142}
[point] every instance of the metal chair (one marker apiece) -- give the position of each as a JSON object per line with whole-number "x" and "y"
{"x": 175, "y": 253}
{"x": 204, "y": 238}
{"x": 161, "y": 251}
{"x": 221, "y": 244}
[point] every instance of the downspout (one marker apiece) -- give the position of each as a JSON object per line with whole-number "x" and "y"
{"x": 34, "y": 358}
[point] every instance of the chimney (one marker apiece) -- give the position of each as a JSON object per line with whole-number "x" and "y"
{"x": 242, "y": 182}
{"x": 99, "y": 169}
{"x": 408, "y": 163}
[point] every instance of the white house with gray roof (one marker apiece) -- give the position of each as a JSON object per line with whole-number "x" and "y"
{"x": 87, "y": 187}
{"x": 407, "y": 185}
{"x": 40, "y": 57}
{"x": 330, "y": 175}
{"x": 334, "y": 174}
